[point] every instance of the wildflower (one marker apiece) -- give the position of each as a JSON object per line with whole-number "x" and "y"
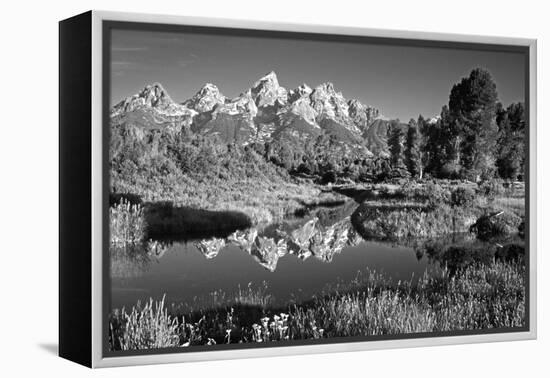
{"x": 211, "y": 341}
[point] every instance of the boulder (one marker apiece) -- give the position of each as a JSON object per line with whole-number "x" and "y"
{"x": 496, "y": 224}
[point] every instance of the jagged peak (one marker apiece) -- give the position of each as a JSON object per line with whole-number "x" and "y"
{"x": 270, "y": 76}
{"x": 267, "y": 91}
{"x": 155, "y": 89}
{"x": 355, "y": 103}
{"x": 152, "y": 95}
{"x": 270, "y": 79}
{"x": 206, "y": 98}
{"x": 209, "y": 87}
{"x": 304, "y": 87}
{"x": 325, "y": 87}
{"x": 301, "y": 91}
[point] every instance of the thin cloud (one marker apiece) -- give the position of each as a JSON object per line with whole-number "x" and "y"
{"x": 186, "y": 62}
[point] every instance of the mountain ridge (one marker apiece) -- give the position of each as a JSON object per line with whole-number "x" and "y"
{"x": 259, "y": 114}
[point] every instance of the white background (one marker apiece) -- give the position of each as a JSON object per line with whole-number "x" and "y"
{"x": 28, "y": 158}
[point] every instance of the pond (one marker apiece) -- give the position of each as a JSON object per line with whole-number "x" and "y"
{"x": 293, "y": 260}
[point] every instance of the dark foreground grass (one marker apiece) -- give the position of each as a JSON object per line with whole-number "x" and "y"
{"x": 477, "y": 297}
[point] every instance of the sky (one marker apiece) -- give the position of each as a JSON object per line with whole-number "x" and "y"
{"x": 401, "y": 81}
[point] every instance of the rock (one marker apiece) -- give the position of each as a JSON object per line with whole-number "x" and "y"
{"x": 496, "y": 224}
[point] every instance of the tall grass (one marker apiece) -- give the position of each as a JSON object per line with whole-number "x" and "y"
{"x": 127, "y": 223}
{"x": 477, "y": 297}
{"x": 144, "y": 327}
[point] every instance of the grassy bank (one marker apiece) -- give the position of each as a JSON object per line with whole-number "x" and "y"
{"x": 476, "y": 297}
{"x": 422, "y": 211}
{"x": 203, "y": 174}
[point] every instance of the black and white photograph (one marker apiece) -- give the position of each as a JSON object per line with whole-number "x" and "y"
{"x": 279, "y": 189}
{"x": 275, "y": 189}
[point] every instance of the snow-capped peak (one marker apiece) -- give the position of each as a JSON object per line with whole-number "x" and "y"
{"x": 267, "y": 91}
{"x": 206, "y": 98}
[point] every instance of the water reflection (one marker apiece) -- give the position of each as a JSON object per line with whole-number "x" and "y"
{"x": 132, "y": 260}
{"x": 459, "y": 251}
{"x": 322, "y": 235}
{"x": 296, "y": 259}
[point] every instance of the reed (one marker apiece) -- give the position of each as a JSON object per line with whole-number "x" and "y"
{"x": 127, "y": 223}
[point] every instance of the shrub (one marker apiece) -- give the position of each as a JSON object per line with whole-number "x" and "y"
{"x": 328, "y": 177}
{"x": 436, "y": 195}
{"x": 450, "y": 171}
{"x": 491, "y": 188}
{"x": 462, "y": 196}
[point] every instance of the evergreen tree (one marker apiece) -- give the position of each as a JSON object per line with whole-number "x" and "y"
{"x": 413, "y": 152}
{"x": 435, "y": 139}
{"x": 473, "y": 108}
{"x": 395, "y": 143}
{"x": 511, "y": 143}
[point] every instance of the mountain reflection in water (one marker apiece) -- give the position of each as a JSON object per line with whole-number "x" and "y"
{"x": 292, "y": 257}
{"x": 309, "y": 239}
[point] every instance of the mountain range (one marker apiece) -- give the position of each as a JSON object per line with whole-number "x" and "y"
{"x": 265, "y": 112}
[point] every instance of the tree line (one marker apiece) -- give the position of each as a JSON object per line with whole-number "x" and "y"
{"x": 474, "y": 138}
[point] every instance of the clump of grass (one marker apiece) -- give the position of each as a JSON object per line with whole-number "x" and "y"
{"x": 126, "y": 223}
{"x": 476, "y": 297}
{"x": 144, "y": 327}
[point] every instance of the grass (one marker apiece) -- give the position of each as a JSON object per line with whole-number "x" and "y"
{"x": 512, "y": 204}
{"x": 476, "y": 297}
{"x": 387, "y": 221}
{"x": 147, "y": 327}
{"x": 262, "y": 199}
{"x": 126, "y": 223}
{"x": 420, "y": 211}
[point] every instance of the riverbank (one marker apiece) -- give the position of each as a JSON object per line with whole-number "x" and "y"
{"x": 435, "y": 209}
{"x": 477, "y": 297}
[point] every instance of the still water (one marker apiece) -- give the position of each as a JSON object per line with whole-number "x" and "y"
{"x": 295, "y": 260}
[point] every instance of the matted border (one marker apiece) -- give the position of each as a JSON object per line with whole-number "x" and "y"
{"x": 102, "y": 22}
